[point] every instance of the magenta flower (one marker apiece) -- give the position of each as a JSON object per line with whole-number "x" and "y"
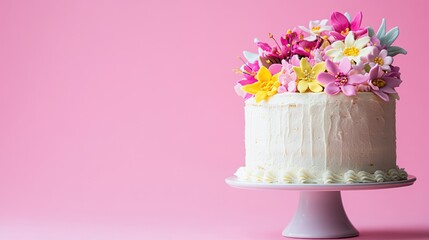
{"x": 339, "y": 79}
{"x": 381, "y": 83}
{"x": 342, "y": 26}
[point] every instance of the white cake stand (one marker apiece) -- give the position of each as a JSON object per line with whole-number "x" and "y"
{"x": 320, "y": 212}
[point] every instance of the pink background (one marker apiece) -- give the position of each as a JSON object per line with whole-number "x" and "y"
{"x": 119, "y": 120}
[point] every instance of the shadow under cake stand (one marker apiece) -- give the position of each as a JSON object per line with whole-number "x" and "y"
{"x": 320, "y": 212}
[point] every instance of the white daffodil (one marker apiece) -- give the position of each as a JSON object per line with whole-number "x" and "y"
{"x": 351, "y": 48}
{"x": 315, "y": 29}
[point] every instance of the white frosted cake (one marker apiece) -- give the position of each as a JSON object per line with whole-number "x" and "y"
{"x": 317, "y": 138}
{"x": 320, "y": 104}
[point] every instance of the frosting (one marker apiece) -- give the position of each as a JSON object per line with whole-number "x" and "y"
{"x": 327, "y": 177}
{"x": 314, "y": 137}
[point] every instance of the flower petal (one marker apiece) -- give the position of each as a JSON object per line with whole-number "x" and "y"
{"x": 291, "y": 86}
{"x": 252, "y": 88}
{"x": 332, "y": 89}
{"x": 302, "y": 86}
{"x": 388, "y": 60}
{"x": 355, "y": 24}
{"x": 362, "y": 42}
{"x": 261, "y": 95}
{"x": 275, "y": 68}
{"x": 332, "y": 67}
{"x": 299, "y": 73}
{"x": 339, "y": 21}
{"x": 339, "y": 45}
{"x": 318, "y": 68}
{"x": 357, "y": 79}
{"x": 349, "y": 90}
{"x": 315, "y": 86}
{"x": 392, "y": 82}
{"x": 373, "y": 73}
{"x": 382, "y": 95}
{"x": 364, "y": 52}
{"x": 345, "y": 66}
{"x": 263, "y": 74}
{"x": 325, "y": 78}
{"x": 333, "y": 52}
{"x": 305, "y": 65}
{"x": 388, "y": 89}
{"x": 350, "y": 40}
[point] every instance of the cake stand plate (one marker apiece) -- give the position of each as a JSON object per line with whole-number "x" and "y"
{"x": 320, "y": 212}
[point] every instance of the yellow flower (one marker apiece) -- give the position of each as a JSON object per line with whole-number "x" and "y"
{"x": 265, "y": 87}
{"x": 307, "y": 75}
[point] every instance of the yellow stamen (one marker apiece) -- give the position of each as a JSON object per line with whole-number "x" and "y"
{"x": 378, "y": 82}
{"x": 351, "y": 51}
{"x": 379, "y": 61}
{"x": 315, "y": 29}
{"x": 344, "y": 33}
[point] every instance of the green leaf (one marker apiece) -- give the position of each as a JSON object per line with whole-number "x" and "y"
{"x": 391, "y": 36}
{"x": 370, "y": 32}
{"x": 382, "y": 29}
{"x": 394, "y": 50}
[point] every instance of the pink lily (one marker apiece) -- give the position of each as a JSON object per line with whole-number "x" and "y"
{"x": 342, "y": 26}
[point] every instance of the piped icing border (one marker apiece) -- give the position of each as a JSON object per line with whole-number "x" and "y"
{"x": 302, "y": 176}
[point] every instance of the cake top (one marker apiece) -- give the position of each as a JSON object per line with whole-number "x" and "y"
{"x": 334, "y": 57}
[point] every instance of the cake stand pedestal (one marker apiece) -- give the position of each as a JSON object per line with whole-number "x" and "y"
{"x": 320, "y": 212}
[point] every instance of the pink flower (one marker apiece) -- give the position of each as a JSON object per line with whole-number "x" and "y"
{"x": 381, "y": 83}
{"x": 339, "y": 79}
{"x": 380, "y": 58}
{"x": 287, "y": 78}
{"x": 342, "y": 26}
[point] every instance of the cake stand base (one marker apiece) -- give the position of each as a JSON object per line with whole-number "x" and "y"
{"x": 320, "y": 212}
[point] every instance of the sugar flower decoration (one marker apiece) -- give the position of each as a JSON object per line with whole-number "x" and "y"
{"x": 381, "y": 83}
{"x": 335, "y": 57}
{"x": 287, "y": 78}
{"x": 351, "y": 48}
{"x": 307, "y": 75}
{"x": 266, "y": 85}
{"x": 380, "y": 58}
{"x": 339, "y": 78}
{"x": 386, "y": 39}
{"x": 315, "y": 29}
{"x": 343, "y": 26}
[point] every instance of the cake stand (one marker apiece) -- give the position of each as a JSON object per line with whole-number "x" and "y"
{"x": 320, "y": 212}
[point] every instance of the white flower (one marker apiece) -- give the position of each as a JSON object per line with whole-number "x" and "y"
{"x": 315, "y": 29}
{"x": 350, "y": 48}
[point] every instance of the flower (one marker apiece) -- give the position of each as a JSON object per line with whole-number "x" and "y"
{"x": 316, "y": 28}
{"x": 381, "y": 83}
{"x": 351, "y": 48}
{"x": 340, "y": 79}
{"x": 343, "y": 26}
{"x": 380, "y": 58}
{"x": 386, "y": 39}
{"x": 265, "y": 87}
{"x": 306, "y": 76}
{"x": 287, "y": 78}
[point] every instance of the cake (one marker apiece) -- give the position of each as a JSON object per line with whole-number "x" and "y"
{"x": 320, "y": 106}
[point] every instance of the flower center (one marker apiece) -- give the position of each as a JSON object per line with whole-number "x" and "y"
{"x": 308, "y": 76}
{"x": 345, "y": 32}
{"x": 351, "y": 51}
{"x": 315, "y": 29}
{"x": 267, "y": 86}
{"x": 379, "y": 82}
{"x": 341, "y": 79}
{"x": 379, "y": 61}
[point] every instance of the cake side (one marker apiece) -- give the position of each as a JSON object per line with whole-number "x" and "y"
{"x": 319, "y": 138}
